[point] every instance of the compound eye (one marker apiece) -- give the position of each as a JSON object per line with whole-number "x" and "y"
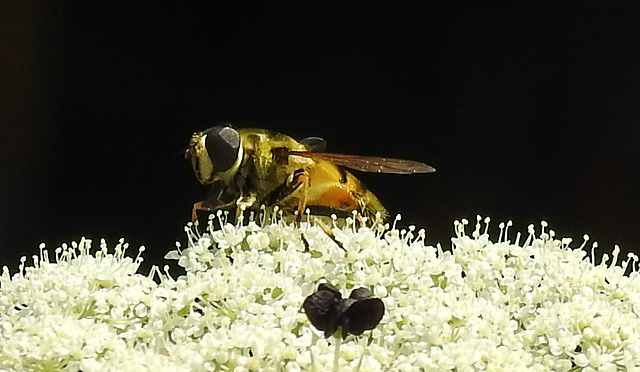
{"x": 223, "y": 146}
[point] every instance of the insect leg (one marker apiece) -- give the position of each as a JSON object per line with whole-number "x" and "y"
{"x": 292, "y": 194}
{"x": 194, "y": 211}
{"x": 219, "y": 197}
{"x": 244, "y": 203}
{"x": 329, "y": 233}
{"x": 304, "y": 181}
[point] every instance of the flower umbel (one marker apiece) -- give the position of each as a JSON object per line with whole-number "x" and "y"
{"x": 484, "y": 305}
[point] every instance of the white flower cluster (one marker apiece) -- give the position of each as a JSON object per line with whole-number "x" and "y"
{"x": 483, "y": 305}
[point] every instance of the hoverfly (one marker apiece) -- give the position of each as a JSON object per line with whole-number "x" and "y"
{"x": 247, "y": 168}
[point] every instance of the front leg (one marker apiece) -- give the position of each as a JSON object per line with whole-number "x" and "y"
{"x": 220, "y": 197}
{"x": 245, "y": 202}
{"x": 205, "y": 205}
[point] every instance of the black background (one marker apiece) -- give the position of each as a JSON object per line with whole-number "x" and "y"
{"x": 528, "y": 113}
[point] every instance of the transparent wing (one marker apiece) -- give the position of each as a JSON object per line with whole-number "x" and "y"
{"x": 370, "y": 163}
